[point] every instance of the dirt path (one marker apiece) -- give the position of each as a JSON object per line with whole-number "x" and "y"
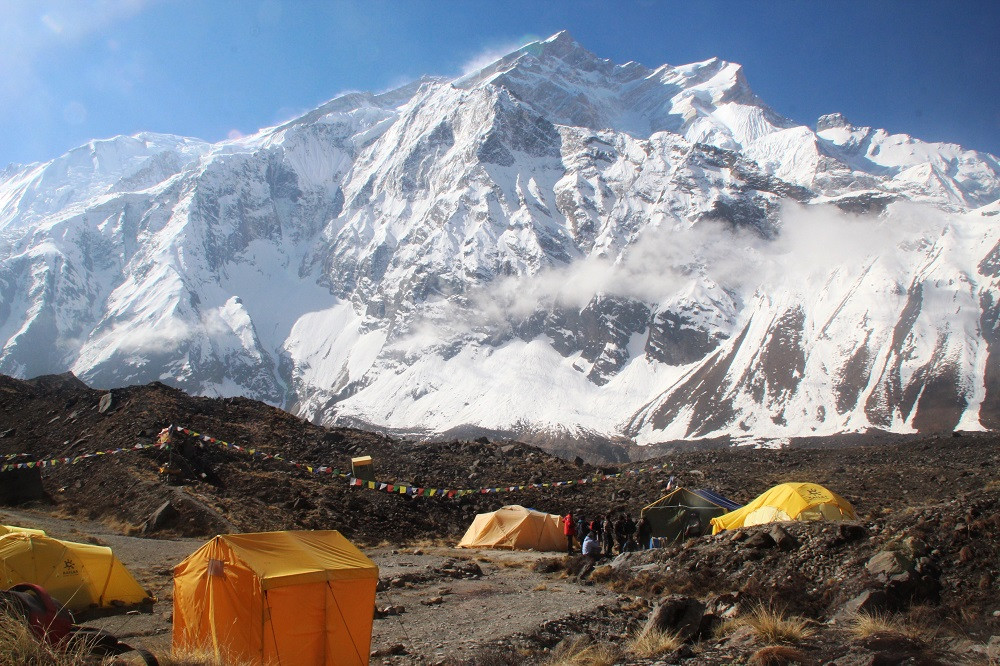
{"x": 450, "y": 612}
{"x": 449, "y": 603}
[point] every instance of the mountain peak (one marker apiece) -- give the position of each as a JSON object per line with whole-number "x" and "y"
{"x": 561, "y": 37}
{"x": 831, "y": 120}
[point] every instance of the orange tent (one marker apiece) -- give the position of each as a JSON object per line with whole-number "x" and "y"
{"x": 516, "y": 528}
{"x": 277, "y": 597}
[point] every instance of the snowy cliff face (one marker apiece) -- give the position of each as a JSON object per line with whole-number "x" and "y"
{"x": 555, "y": 243}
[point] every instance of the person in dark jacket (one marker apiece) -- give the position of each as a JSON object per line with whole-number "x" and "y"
{"x": 620, "y": 532}
{"x": 645, "y": 531}
{"x": 608, "y": 529}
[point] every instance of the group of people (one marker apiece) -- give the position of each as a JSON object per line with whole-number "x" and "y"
{"x": 604, "y": 536}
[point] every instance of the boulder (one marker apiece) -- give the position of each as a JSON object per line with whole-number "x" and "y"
{"x": 916, "y": 547}
{"x": 910, "y": 586}
{"x": 869, "y": 601}
{"x": 760, "y": 540}
{"x": 848, "y": 532}
{"x": 783, "y": 539}
{"x": 888, "y": 563}
{"x": 164, "y": 516}
{"x": 676, "y": 614}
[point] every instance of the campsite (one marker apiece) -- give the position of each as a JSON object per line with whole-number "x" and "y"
{"x": 923, "y": 551}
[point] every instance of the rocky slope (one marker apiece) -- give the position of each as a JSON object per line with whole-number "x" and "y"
{"x": 656, "y": 251}
{"x": 925, "y": 547}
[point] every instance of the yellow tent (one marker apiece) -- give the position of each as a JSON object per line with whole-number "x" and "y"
{"x": 277, "y": 597}
{"x": 77, "y": 575}
{"x": 788, "y": 501}
{"x": 7, "y": 529}
{"x": 516, "y": 528}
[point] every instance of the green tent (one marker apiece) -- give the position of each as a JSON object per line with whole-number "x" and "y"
{"x": 684, "y": 513}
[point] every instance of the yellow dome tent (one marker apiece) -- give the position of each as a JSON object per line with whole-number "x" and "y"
{"x": 277, "y": 597}
{"x": 7, "y": 529}
{"x": 788, "y": 501}
{"x": 516, "y": 528}
{"x": 77, "y": 575}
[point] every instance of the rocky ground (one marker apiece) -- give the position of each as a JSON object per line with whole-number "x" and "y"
{"x": 924, "y": 555}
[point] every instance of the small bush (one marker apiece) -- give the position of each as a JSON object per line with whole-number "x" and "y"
{"x": 583, "y": 652}
{"x": 194, "y": 657}
{"x": 864, "y": 625}
{"x": 779, "y": 655}
{"x": 771, "y": 626}
{"x": 727, "y": 627}
{"x": 19, "y": 647}
{"x": 654, "y": 643}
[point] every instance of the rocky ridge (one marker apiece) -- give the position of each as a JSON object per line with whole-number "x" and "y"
{"x": 923, "y": 553}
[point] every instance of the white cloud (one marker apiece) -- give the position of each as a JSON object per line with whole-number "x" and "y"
{"x": 164, "y": 337}
{"x": 662, "y": 264}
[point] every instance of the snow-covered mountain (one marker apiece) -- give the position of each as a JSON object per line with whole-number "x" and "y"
{"x": 553, "y": 244}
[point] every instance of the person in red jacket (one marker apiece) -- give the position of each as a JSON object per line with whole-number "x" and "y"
{"x": 569, "y": 529}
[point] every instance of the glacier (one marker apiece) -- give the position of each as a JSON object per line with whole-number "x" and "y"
{"x": 552, "y": 246}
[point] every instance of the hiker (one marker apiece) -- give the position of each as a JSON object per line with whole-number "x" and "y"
{"x": 620, "y": 532}
{"x": 591, "y": 550}
{"x": 628, "y": 528}
{"x": 569, "y": 530}
{"x": 591, "y": 546}
{"x": 645, "y": 531}
{"x": 608, "y": 528}
{"x": 693, "y": 525}
{"x": 581, "y": 528}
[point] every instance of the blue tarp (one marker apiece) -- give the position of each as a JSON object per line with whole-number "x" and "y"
{"x": 717, "y": 499}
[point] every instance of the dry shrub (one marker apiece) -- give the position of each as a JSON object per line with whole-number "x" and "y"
{"x": 779, "y": 655}
{"x": 864, "y": 625}
{"x": 727, "y": 626}
{"x": 653, "y": 643}
{"x": 585, "y": 653}
{"x": 771, "y": 625}
{"x": 19, "y": 647}
{"x": 603, "y": 574}
{"x": 198, "y": 657}
{"x": 512, "y": 564}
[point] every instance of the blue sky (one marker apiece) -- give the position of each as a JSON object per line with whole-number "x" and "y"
{"x": 72, "y": 70}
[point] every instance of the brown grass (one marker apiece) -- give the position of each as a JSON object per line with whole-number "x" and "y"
{"x": 769, "y": 625}
{"x": 19, "y": 647}
{"x": 585, "y": 653}
{"x": 779, "y": 655}
{"x": 196, "y": 657}
{"x": 864, "y": 625}
{"x": 653, "y": 643}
